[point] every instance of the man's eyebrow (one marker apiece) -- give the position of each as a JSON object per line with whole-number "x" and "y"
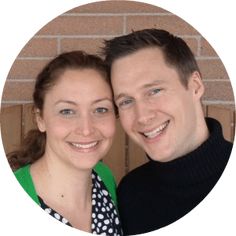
{"x": 148, "y": 85}
{"x": 153, "y": 83}
{"x": 121, "y": 95}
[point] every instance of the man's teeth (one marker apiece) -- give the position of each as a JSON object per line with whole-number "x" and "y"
{"x": 155, "y": 132}
{"x": 85, "y": 146}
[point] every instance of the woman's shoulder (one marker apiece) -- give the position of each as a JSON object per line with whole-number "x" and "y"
{"x": 107, "y": 177}
{"x": 22, "y": 172}
{"x": 102, "y": 168}
{"x": 24, "y": 178}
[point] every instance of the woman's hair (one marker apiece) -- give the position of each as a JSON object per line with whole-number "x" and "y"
{"x": 33, "y": 145}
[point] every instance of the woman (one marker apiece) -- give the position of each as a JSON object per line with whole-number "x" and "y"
{"x": 59, "y": 164}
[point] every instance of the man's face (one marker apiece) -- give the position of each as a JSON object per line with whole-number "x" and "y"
{"x": 156, "y": 110}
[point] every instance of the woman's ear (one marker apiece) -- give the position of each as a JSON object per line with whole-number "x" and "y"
{"x": 39, "y": 120}
{"x": 196, "y": 85}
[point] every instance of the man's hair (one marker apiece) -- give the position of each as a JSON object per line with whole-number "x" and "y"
{"x": 175, "y": 51}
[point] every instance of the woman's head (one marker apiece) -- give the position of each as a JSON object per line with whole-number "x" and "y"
{"x": 74, "y": 110}
{"x": 78, "y": 119}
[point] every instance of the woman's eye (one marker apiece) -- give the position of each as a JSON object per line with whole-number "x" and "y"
{"x": 101, "y": 110}
{"x": 154, "y": 91}
{"x": 67, "y": 112}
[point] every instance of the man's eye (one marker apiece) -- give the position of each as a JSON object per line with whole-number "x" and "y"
{"x": 125, "y": 103}
{"x": 67, "y": 112}
{"x": 154, "y": 91}
{"x": 101, "y": 110}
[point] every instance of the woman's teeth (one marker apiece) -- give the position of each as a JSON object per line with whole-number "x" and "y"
{"x": 157, "y": 131}
{"x": 85, "y": 146}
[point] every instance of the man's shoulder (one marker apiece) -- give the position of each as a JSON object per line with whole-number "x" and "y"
{"x": 137, "y": 175}
{"x": 228, "y": 145}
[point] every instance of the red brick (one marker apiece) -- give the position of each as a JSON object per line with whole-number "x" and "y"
{"x": 18, "y": 91}
{"x": 218, "y": 90}
{"x": 83, "y": 25}
{"x": 89, "y": 45}
{"x": 117, "y": 7}
{"x": 40, "y": 47}
{"x": 206, "y": 49}
{"x": 68, "y": 29}
{"x": 193, "y": 44}
{"x": 26, "y": 69}
{"x": 170, "y": 23}
{"x": 212, "y": 69}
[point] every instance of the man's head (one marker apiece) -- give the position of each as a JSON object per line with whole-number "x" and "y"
{"x": 157, "y": 89}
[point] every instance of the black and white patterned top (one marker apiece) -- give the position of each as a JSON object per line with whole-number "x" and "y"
{"x": 105, "y": 219}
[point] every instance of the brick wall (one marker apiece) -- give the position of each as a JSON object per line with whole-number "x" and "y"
{"x": 86, "y": 26}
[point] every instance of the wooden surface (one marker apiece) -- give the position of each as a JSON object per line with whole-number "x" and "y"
{"x": 124, "y": 155}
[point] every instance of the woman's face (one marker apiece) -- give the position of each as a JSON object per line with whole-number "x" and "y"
{"x": 78, "y": 118}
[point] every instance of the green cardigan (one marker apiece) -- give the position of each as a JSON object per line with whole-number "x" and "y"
{"x": 24, "y": 177}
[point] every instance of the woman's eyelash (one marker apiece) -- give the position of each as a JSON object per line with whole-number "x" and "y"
{"x": 67, "y": 112}
{"x": 101, "y": 110}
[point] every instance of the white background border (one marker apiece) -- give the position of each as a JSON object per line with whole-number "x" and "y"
{"x": 20, "y": 20}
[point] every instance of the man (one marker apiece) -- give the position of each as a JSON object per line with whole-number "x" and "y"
{"x": 157, "y": 89}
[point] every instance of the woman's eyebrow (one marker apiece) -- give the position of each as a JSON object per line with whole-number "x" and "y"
{"x": 103, "y": 99}
{"x": 65, "y": 101}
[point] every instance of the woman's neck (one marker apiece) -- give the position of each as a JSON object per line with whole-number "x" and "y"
{"x": 57, "y": 182}
{"x": 66, "y": 190}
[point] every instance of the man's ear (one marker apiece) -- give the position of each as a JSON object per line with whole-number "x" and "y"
{"x": 39, "y": 120}
{"x": 196, "y": 85}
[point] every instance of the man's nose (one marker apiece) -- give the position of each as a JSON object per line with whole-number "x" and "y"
{"x": 144, "y": 113}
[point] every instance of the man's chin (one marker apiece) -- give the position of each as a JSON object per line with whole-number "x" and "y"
{"x": 158, "y": 157}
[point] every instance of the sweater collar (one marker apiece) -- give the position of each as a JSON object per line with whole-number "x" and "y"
{"x": 206, "y": 160}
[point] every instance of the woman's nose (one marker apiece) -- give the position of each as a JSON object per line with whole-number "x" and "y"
{"x": 85, "y": 126}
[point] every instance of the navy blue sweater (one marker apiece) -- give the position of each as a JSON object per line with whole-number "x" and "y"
{"x": 159, "y": 193}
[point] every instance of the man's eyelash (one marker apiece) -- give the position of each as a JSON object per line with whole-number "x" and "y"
{"x": 124, "y": 102}
{"x": 154, "y": 91}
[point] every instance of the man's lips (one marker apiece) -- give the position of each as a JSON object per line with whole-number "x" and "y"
{"x": 155, "y": 132}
